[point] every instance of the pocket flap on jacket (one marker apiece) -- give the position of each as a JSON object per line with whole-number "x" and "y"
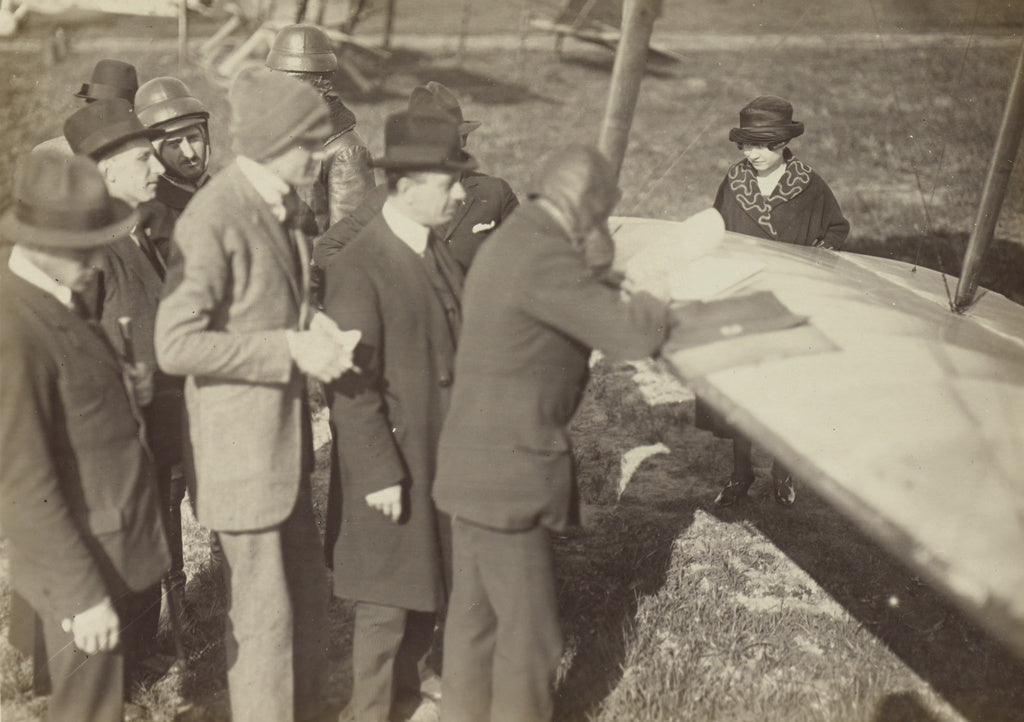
{"x": 104, "y": 521}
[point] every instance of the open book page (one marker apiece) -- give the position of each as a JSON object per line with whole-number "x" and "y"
{"x": 681, "y": 265}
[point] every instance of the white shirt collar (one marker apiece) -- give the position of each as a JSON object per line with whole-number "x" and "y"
{"x": 412, "y": 233}
{"x": 268, "y": 185}
{"x": 22, "y": 267}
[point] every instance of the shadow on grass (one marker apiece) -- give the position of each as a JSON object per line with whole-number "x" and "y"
{"x": 623, "y": 549}
{"x": 963, "y": 664}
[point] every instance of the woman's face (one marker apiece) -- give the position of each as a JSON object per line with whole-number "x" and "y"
{"x": 764, "y": 158}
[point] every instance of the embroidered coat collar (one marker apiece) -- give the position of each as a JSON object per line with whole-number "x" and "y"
{"x": 742, "y": 182}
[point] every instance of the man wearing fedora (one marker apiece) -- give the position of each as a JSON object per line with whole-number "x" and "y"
{"x": 236, "y": 320}
{"x": 303, "y": 51}
{"x": 79, "y": 498}
{"x": 536, "y": 304}
{"x": 167, "y": 104}
{"x": 399, "y": 286}
{"x": 770, "y": 194}
{"x": 489, "y": 199}
{"x": 129, "y": 281}
{"x": 110, "y": 79}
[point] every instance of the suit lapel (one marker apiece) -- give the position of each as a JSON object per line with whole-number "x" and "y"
{"x": 138, "y": 262}
{"x": 279, "y": 245}
{"x": 56, "y": 319}
{"x": 397, "y": 255}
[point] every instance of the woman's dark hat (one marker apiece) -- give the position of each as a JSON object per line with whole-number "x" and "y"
{"x": 61, "y": 201}
{"x": 111, "y": 79}
{"x": 421, "y": 141}
{"x": 103, "y": 125}
{"x": 436, "y": 98}
{"x": 767, "y": 119}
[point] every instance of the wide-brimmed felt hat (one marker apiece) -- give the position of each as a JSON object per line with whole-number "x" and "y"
{"x": 111, "y": 79}
{"x": 423, "y": 141}
{"x": 103, "y": 125}
{"x": 766, "y": 119}
{"x": 436, "y": 98}
{"x": 61, "y": 201}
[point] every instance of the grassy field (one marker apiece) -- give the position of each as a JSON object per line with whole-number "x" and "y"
{"x": 672, "y": 608}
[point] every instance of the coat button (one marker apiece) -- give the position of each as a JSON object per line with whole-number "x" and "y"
{"x": 445, "y": 382}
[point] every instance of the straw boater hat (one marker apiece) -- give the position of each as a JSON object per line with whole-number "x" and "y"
{"x": 104, "y": 125}
{"x": 436, "y": 98}
{"x": 414, "y": 141}
{"x": 767, "y": 119}
{"x": 110, "y": 79}
{"x": 62, "y": 202}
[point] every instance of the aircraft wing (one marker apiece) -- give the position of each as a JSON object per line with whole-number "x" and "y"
{"x": 906, "y": 417}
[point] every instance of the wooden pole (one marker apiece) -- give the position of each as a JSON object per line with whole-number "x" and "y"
{"x": 182, "y": 34}
{"x": 1008, "y": 141}
{"x": 389, "y": 23}
{"x": 630, "y": 62}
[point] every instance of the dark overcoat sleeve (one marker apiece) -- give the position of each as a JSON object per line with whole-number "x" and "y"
{"x": 64, "y": 578}
{"x": 343, "y": 232}
{"x": 836, "y": 227}
{"x": 371, "y": 457}
{"x": 566, "y": 297}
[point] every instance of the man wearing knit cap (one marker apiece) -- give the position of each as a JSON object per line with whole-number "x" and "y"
{"x": 236, "y": 320}
{"x": 397, "y": 284}
{"x": 110, "y": 79}
{"x": 489, "y": 199}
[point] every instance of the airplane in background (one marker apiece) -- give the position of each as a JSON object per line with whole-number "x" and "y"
{"x": 898, "y": 401}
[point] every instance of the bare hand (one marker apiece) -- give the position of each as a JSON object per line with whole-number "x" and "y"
{"x": 140, "y": 379}
{"x": 324, "y": 351}
{"x": 97, "y": 629}
{"x": 387, "y": 501}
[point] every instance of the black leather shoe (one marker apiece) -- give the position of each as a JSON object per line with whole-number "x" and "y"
{"x": 785, "y": 490}
{"x": 732, "y": 493}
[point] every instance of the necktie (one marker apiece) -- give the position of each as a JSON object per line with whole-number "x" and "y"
{"x": 294, "y": 214}
{"x": 146, "y": 244}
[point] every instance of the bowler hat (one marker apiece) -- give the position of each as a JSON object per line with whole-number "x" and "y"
{"x": 110, "y": 79}
{"x": 436, "y": 98}
{"x": 61, "y": 201}
{"x": 103, "y": 125}
{"x": 415, "y": 141}
{"x": 766, "y": 119}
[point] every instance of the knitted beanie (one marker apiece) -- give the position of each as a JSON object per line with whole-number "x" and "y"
{"x": 271, "y": 112}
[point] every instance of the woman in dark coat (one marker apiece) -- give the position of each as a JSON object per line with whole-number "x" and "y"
{"x": 770, "y": 194}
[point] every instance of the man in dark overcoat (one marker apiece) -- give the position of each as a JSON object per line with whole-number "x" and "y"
{"x": 79, "y": 497}
{"x": 534, "y": 309}
{"x": 235, "y": 319}
{"x": 397, "y": 284}
{"x": 489, "y": 199}
{"x": 129, "y": 279}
